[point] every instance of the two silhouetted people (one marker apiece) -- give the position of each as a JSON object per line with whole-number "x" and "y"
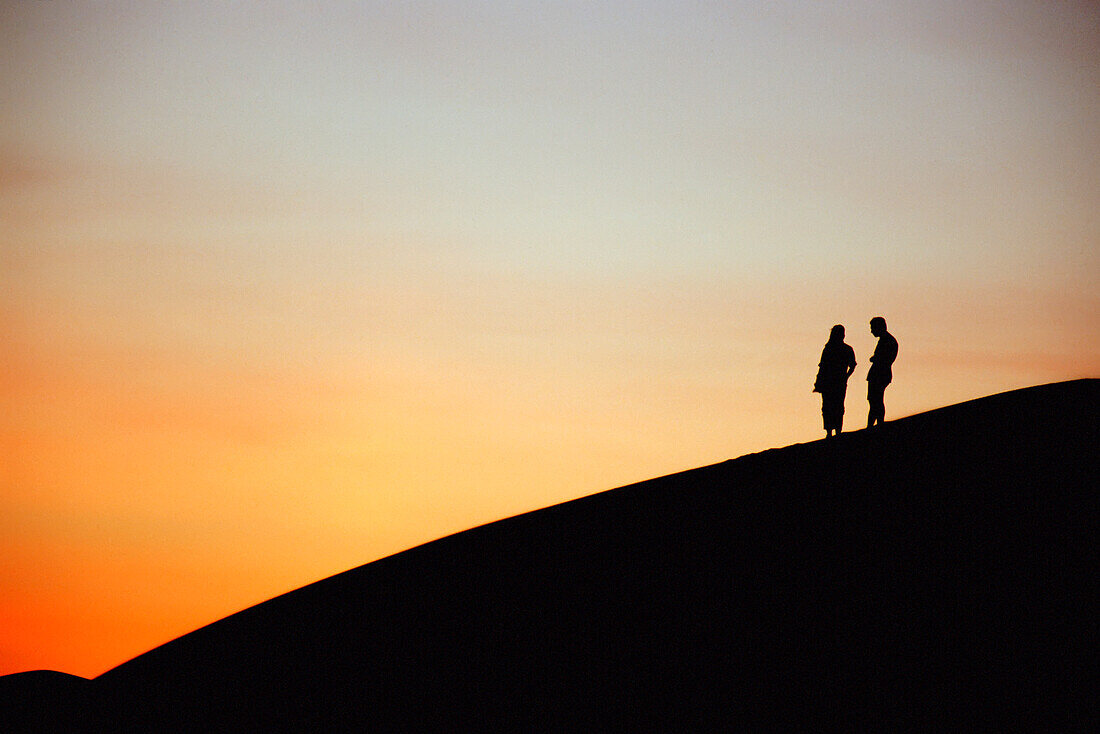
{"x": 880, "y": 374}
{"x": 838, "y": 362}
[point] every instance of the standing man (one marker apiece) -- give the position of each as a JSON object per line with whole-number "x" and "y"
{"x": 880, "y": 374}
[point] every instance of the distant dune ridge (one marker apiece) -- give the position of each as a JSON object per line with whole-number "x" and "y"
{"x": 939, "y": 569}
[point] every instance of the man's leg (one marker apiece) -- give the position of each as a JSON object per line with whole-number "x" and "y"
{"x": 840, "y": 409}
{"x": 876, "y": 401}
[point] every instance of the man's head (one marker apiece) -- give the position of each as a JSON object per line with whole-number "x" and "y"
{"x": 878, "y": 326}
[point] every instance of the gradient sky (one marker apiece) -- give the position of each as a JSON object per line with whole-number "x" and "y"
{"x": 289, "y": 287}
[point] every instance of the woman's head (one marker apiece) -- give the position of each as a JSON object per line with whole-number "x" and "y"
{"x": 837, "y": 334}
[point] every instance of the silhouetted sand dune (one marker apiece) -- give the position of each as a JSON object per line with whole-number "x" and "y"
{"x": 43, "y": 700}
{"x": 937, "y": 569}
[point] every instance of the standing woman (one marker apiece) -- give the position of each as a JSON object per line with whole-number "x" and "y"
{"x": 838, "y": 362}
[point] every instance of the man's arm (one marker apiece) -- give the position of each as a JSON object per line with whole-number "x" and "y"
{"x": 891, "y": 351}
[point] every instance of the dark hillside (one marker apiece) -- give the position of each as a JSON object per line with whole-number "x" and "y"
{"x": 44, "y": 700}
{"x": 936, "y": 570}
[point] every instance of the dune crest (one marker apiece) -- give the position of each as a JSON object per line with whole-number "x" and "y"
{"x": 932, "y": 570}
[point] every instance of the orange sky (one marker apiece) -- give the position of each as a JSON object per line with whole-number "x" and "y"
{"x": 287, "y": 287}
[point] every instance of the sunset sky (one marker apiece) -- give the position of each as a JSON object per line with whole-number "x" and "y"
{"x": 287, "y": 287}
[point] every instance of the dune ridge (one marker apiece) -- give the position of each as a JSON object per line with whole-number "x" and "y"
{"x": 937, "y": 569}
